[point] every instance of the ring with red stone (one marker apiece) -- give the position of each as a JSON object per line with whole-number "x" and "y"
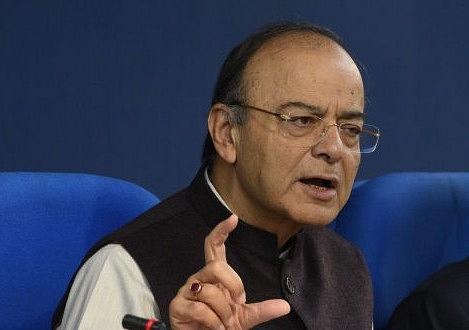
{"x": 196, "y": 287}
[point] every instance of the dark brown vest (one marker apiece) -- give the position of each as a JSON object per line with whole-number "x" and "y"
{"x": 324, "y": 278}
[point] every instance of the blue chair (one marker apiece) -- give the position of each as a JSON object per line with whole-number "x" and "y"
{"x": 408, "y": 226}
{"x": 48, "y": 221}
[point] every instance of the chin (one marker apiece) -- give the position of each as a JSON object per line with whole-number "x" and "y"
{"x": 321, "y": 216}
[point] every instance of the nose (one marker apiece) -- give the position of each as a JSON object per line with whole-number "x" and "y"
{"x": 326, "y": 129}
{"x": 329, "y": 145}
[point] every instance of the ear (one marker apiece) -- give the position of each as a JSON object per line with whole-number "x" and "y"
{"x": 223, "y": 132}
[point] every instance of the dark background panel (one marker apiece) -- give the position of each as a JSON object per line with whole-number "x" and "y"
{"x": 122, "y": 88}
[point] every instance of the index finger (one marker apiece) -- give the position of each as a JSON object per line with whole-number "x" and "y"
{"x": 215, "y": 241}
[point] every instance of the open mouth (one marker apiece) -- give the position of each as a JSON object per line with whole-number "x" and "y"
{"x": 318, "y": 182}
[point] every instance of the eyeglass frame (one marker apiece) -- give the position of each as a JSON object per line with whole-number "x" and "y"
{"x": 288, "y": 118}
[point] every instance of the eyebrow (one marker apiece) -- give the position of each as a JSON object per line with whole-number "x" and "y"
{"x": 315, "y": 110}
{"x": 318, "y": 111}
{"x": 353, "y": 115}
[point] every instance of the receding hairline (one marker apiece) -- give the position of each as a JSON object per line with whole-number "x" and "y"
{"x": 311, "y": 40}
{"x": 316, "y": 39}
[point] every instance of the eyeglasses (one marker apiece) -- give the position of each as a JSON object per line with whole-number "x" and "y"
{"x": 309, "y": 129}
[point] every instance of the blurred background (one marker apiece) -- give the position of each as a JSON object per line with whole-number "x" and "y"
{"x": 122, "y": 88}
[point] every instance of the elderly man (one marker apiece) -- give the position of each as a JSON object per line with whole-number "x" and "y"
{"x": 286, "y": 133}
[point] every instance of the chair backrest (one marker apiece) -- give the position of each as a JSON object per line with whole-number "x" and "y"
{"x": 408, "y": 226}
{"x": 47, "y": 223}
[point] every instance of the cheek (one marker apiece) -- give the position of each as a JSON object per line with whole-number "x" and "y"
{"x": 268, "y": 163}
{"x": 267, "y": 158}
{"x": 350, "y": 166}
{"x": 280, "y": 156}
{"x": 355, "y": 164}
{"x": 283, "y": 165}
{"x": 249, "y": 149}
{"x": 251, "y": 157}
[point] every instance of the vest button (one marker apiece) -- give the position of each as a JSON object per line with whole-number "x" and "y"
{"x": 289, "y": 285}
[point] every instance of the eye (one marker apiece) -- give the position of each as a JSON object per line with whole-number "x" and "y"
{"x": 350, "y": 130}
{"x": 304, "y": 121}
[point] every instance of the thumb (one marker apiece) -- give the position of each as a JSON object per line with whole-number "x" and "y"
{"x": 257, "y": 313}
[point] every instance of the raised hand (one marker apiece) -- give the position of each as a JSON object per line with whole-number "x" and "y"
{"x": 214, "y": 297}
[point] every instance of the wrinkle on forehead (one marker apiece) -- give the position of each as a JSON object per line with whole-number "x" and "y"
{"x": 303, "y": 67}
{"x": 279, "y": 50}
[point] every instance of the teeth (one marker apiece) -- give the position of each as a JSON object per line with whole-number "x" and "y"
{"x": 318, "y": 183}
{"x": 320, "y": 187}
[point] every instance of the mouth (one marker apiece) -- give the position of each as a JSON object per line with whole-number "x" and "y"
{"x": 320, "y": 183}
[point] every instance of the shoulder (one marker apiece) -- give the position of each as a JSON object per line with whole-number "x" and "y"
{"x": 450, "y": 283}
{"x": 336, "y": 258}
{"x": 329, "y": 243}
{"x": 111, "y": 265}
{"x": 440, "y": 302}
{"x": 95, "y": 300}
{"x": 164, "y": 217}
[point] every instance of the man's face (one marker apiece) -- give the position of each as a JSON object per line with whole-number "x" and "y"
{"x": 281, "y": 184}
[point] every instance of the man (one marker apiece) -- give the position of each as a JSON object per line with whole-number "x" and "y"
{"x": 286, "y": 131}
{"x": 440, "y": 302}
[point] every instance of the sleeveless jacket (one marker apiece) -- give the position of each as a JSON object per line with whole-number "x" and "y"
{"x": 323, "y": 277}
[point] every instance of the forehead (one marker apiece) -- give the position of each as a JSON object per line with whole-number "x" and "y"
{"x": 303, "y": 67}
